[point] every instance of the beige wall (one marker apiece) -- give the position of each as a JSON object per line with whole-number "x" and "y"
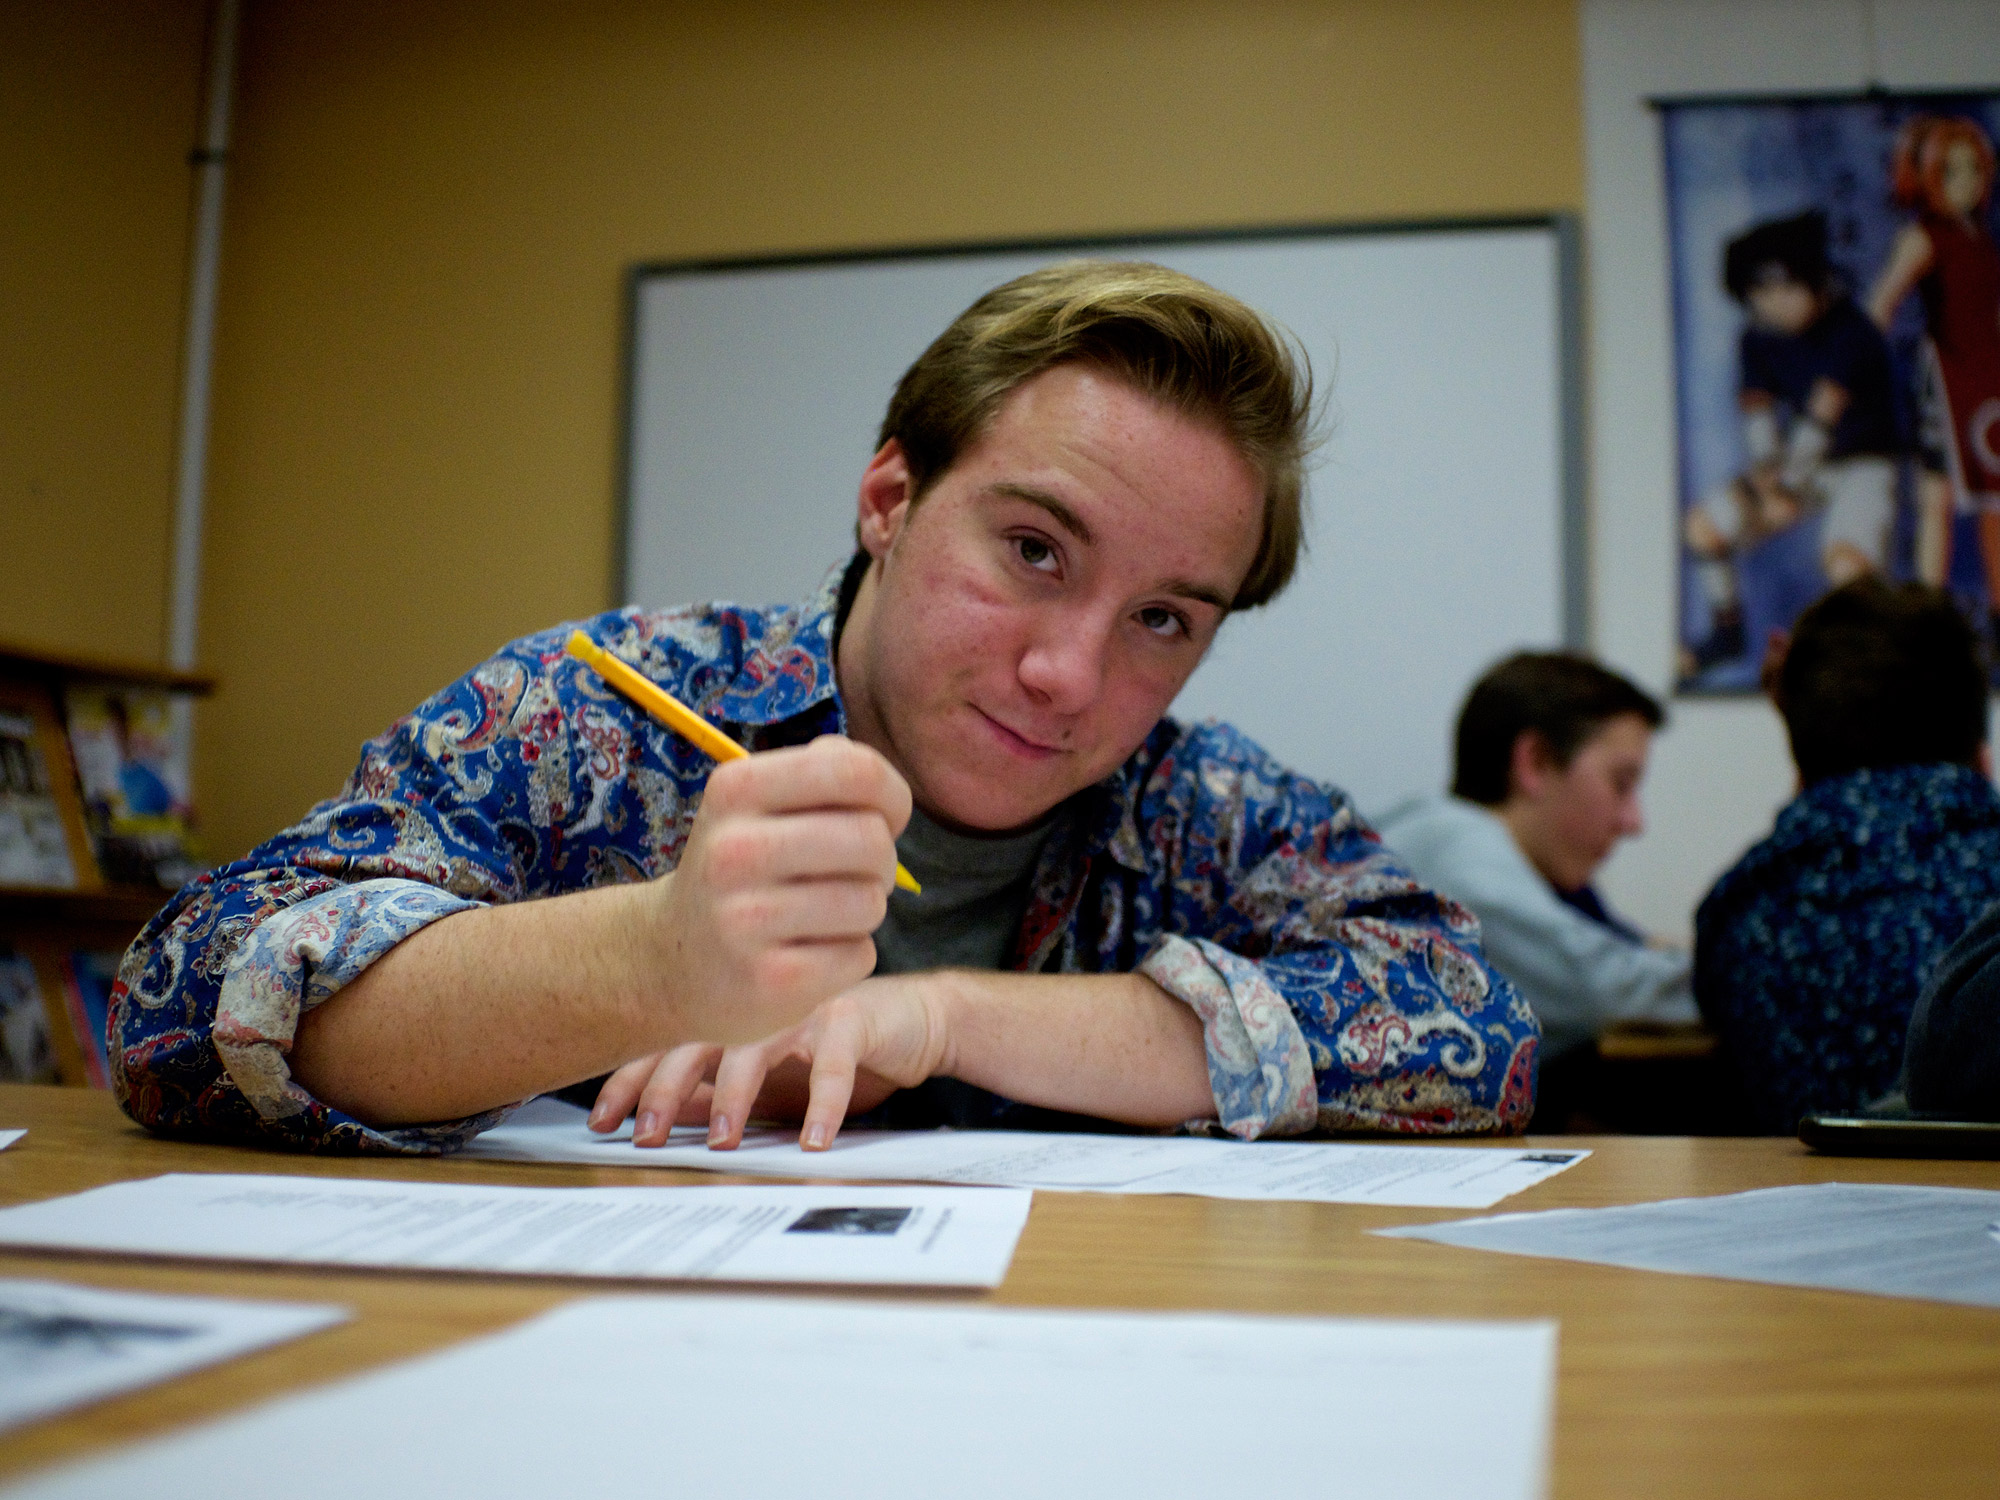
{"x": 98, "y": 106}
{"x": 433, "y": 206}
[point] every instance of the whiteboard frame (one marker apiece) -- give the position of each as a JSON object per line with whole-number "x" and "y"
{"x": 1572, "y": 523}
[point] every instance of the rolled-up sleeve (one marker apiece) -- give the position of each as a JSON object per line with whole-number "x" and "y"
{"x": 1335, "y": 990}
{"x": 1258, "y": 1063}
{"x": 209, "y": 998}
{"x": 456, "y": 806}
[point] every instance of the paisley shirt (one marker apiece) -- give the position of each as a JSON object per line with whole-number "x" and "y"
{"x": 1334, "y": 990}
{"x": 1810, "y": 953}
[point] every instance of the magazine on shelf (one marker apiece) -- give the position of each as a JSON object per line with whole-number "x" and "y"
{"x": 131, "y": 749}
{"x": 34, "y": 849}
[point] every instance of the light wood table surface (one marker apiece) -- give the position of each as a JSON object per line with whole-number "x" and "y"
{"x": 1668, "y": 1385}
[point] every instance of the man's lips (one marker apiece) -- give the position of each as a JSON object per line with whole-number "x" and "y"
{"x": 1019, "y": 743}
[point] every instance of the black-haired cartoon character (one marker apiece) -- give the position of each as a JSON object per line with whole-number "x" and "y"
{"x": 1819, "y": 429}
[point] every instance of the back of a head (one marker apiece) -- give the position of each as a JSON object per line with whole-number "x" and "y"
{"x": 1560, "y": 695}
{"x": 1881, "y": 674}
{"x": 1178, "y": 339}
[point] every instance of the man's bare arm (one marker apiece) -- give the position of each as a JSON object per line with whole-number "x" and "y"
{"x": 484, "y": 1008}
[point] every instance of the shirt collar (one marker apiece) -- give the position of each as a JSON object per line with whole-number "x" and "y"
{"x": 789, "y": 670}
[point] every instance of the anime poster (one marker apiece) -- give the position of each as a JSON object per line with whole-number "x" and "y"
{"x": 1836, "y": 299}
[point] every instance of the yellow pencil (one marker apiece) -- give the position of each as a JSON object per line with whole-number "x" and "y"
{"x": 675, "y": 714}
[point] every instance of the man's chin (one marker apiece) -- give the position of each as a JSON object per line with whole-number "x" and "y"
{"x": 990, "y": 806}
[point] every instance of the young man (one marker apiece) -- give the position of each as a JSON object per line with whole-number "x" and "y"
{"x": 1550, "y": 753}
{"x": 527, "y": 883}
{"x": 1810, "y": 953}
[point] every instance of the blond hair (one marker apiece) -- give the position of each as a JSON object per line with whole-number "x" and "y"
{"x": 1177, "y": 339}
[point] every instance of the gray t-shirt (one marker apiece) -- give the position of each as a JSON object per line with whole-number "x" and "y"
{"x": 975, "y": 894}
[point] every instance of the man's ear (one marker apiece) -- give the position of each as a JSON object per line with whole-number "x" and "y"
{"x": 1531, "y": 765}
{"x": 886, "y": 491}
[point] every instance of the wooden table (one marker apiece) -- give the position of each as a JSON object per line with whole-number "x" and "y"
{"x": 1669, "y": 1385}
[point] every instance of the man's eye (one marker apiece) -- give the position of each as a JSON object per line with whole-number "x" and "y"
{"x": 1036, "y": 553}
{"x": 1162, "y": 621}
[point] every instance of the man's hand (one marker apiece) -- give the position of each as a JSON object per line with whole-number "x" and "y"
{"x": 785, "y": 876}
{"x": 1112, "y": 1045}
{"x": 852, "y": 1052}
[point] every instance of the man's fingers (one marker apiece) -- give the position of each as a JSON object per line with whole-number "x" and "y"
{"x": 803, "y": 846}
{"x": 620, "y": 1092}
{"x": 825, "y": 966}
{"x": 738, "y": 1078}
{"x": 802, "y": 911}
{"x": 667, "y": 1090}
{"x": 839, "y": 1037}
{"x": 831, "y": 772}
{"x": 826, "y": 1105}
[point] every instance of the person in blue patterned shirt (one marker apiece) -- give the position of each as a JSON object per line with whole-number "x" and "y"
{"x": 1811, "y": 952}
{"x": 527, "y": 883}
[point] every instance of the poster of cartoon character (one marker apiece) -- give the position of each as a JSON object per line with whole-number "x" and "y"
{"x": 1836, "y": 301}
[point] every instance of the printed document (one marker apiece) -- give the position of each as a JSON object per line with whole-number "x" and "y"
{"x": 549, "y": 1130}
{"x": 717, "y": 1396}
{"x": 876, "y": 1236}
{"x": 1843, "y": 1236}
{"x": 8, "y": 1137}
{"x": 62, "y": 1346}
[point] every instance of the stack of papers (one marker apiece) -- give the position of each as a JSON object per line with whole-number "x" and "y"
{"x": 875, "y": 1236}
{"x": 1301, "y": 1171}
{"x": 713, "y": 1396}
{"x": 61, "y": 1346}
{"x": 1937, "y": 1243}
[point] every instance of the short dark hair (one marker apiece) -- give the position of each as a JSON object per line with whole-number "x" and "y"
{"x": 1560, "y": 695}
{"x": 1797, "y": 246}
{"x": 1177, "y": 339}
{"x": 1882, "y": 674}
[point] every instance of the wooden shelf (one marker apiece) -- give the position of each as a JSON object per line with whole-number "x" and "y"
{"x": 25, "y": 906}
{"x": 65, "y": 666}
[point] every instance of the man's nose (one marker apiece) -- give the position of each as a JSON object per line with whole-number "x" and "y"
{"x": 1634, "y": 822}
{"x": 1064, "y": 665}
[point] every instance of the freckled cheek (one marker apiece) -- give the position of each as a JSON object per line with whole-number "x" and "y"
{"x": 1132, "y": 703}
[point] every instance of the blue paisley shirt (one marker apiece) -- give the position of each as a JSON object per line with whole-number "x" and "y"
{"x": 1334, "y": 991}
{"x": 1811, "y": 952}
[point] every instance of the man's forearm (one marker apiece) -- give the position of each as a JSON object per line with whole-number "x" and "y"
{"x": 1112, "y": 1045}
{"x": 485, "y": 1008}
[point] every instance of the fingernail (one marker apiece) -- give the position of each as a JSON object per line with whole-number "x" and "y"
{"x": 815, "y": 1136}
{"x": 597, "y": 1114}
{"x": 649, "y": 1121}
{"x": 718, "y": 1128}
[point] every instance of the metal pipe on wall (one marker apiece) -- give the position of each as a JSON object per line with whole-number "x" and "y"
{"x": 210, "y": 159}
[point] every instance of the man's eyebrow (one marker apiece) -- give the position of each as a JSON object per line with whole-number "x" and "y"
{"x": 1187, "y": 588}
{"x": 1066, "y": 518}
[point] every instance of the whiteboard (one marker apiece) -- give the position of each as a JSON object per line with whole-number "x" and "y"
{"x": 1446, "y": 521}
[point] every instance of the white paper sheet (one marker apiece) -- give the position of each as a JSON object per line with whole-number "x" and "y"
{"x": 549, "y": 1130}
{"x": 882, "y": 1236}
{"x": 8, "y": 1137}
{"x": 1856, "y": 1237}
{"x": 62, "y": 1346}
{"x": 718, "y": 1396}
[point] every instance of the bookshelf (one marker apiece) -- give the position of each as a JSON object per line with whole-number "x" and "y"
{"x": 90, "y": 796}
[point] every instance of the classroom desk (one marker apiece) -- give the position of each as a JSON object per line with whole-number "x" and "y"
{"x": 1668, "y": 1385}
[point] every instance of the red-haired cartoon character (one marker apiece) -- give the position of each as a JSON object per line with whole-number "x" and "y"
{"x": 1944, "y": 172}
